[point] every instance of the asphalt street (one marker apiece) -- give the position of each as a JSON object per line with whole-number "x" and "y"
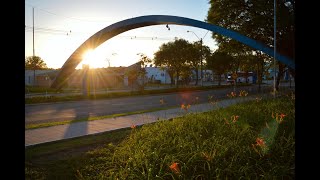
{"x": 62, "y": 111}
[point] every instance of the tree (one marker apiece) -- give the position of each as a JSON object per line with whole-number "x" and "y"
{"x": 35, "y": 63}
{"x": 173, "y": 55}
{"x": 220, "y": 63}
{"x": 255, "y": 20}
{"x": 144, "y": 60}
{"x": 194, "y": 60}
{"x": 197, "y": 52}
{"x": 185, "y": 74}
{"x": 138, "y": 72}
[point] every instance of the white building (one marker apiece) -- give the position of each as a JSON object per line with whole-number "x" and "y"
{"x": 155, "y": 74}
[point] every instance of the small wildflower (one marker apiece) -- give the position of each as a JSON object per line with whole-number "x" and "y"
{"x": 212, "y": 101}
{"x": 260, "y": 142}
{"x": 234, "y": 118}
{"x": 175, "y": 167}
{"x": 133, "y": 126}
{"x": 243, "y": 93}
{"x": 185, "y": 107}
{"x": 278, "y": 117}
{"x": 232, "y": 94}
{"x": 282, "y": 115}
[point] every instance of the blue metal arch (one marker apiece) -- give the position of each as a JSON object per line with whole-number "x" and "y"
{"x": 142, "y": 21}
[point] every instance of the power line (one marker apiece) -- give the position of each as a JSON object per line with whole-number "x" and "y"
{"x": 47, "y": 30}
{"x": 67, "y": 32}
{"x": 66, "y": 17}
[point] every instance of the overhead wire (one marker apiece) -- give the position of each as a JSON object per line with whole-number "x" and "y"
{"x": 69, "y": 32}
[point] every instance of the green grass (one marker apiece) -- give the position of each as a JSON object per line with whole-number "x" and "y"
{"x": 203, "y": 144}
{"x": 51, "y": 99}
{"x": 48, "y": 124}
{"x": 49, "y": 155}
{"x": 30, "y": 89}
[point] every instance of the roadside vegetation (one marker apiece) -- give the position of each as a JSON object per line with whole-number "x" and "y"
{"x": 51, "y": 99}
{"x": 252, "y": 140}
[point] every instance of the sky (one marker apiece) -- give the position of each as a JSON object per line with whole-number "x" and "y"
{"x": 61, "y": 26}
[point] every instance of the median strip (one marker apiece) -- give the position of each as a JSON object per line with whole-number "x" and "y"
{"x": 41, "y": 125}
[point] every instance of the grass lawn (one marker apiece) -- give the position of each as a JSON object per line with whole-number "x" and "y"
{"x": 48, "y": 124}
{"x": 51, "y": 99}
{"x": 253, "y": 140}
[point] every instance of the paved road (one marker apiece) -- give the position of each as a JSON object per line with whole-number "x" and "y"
{"x": 54, "y": 112}
{"x": 55, "y": 133}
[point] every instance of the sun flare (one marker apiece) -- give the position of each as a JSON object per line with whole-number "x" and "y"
{"x": 93, "y": 58}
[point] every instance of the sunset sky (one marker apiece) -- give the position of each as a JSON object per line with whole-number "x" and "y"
{"x": 62, "y": 26}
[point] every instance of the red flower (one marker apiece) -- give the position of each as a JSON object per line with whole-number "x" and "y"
{"x": 260, "y": 142}
{"x": 175, "y": 167}
{"x": 232, "y": 94}
{"x": 133, "y": 126}
{"x": 235, "y": 118}
{"x": 282, "y": 115}
{"x": 185, "y": 107}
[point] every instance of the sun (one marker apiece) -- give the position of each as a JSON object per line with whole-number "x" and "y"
{"x": 93, "y": 58}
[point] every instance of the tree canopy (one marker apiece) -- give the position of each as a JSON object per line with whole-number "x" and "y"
{"x": 255, "y": 19}
{"x": 35, "y": 63}
{"x": 174, "y": 55}
{"x": 220, "y": 63}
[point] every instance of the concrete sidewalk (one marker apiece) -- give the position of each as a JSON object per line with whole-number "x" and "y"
{"x": 60, "y": 132}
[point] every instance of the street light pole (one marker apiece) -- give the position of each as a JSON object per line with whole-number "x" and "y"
{"x": 200, "y": 39}
{"x": 201, "y": 75}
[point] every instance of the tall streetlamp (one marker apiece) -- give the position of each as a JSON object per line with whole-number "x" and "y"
{"x": 200, "y": 39}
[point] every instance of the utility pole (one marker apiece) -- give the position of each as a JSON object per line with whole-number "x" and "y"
{"x": 34, "y": 68}
{"x": 200, "y": 39}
